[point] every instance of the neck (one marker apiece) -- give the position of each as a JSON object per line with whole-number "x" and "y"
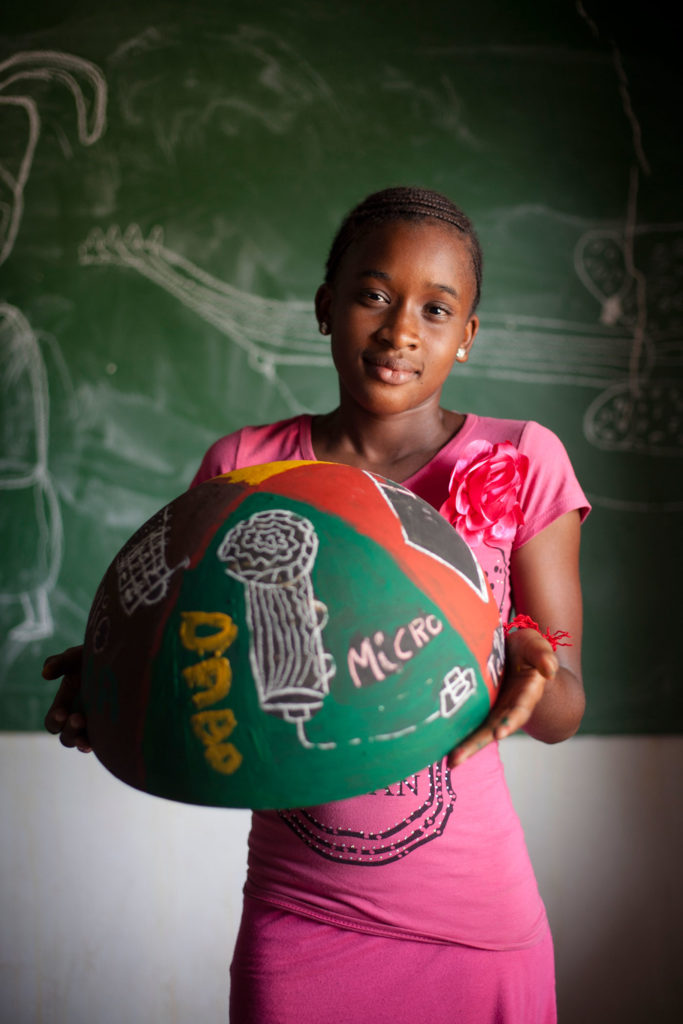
{"x": 395, "y": 445}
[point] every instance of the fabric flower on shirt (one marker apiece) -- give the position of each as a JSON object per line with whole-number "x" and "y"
{"x": 483, "y": 493}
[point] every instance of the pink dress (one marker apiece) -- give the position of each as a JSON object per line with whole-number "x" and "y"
{"x": 417, "y": 902}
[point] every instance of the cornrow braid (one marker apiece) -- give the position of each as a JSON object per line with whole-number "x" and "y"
{"x": 404, "y": 203}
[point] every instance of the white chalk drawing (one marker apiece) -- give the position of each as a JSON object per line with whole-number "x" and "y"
{"x": 642, "y": 291}
{"x": 642, "y": 412}
{"x": 142, "y": 570}
{"x": 99, "y": 623}
{"x": 633, "y": 354}
{"x": 537, "y": 350}
{"x": 88, "y": 87}
{"x": 29, "y": 510}
{"x": 600, "y": 264}
{"x": 272, "y": 332}
{"x": 273, "y": 553}
{"x": 29, "y": 497}
{"x": 369, "y": 659}
{"x": 458, "y": 686}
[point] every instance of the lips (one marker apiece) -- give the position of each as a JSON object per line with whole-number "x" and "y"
{"x": 390, "y": 370}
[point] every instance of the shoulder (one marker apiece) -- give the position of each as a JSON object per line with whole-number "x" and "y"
{"x": 521, "y": 433}
{"x": 550, "y": 486}
{"x": 249, "y": 446}
{"x": 529, "y": 437}
{"x": 540, "y": 442}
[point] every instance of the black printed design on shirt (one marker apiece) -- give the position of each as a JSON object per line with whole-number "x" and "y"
{"x": 499, "y": 577}
{"x": 424, "y": 816}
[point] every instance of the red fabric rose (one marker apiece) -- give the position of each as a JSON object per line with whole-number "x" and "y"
{"x": 483, "y": 498}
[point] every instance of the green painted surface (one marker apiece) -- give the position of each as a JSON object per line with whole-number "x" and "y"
{"x": 356, "y": 577}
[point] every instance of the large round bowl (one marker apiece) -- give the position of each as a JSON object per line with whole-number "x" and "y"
{"x": 288, "y": 635}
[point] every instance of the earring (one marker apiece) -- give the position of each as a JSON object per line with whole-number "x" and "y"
{"x": 324, "y": 329}
{"x": 461, "y": 353}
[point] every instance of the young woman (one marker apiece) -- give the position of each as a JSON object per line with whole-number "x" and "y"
{"x": 337, "y": 924}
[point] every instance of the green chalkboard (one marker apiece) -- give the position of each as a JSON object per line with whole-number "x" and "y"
{"x": 170, "y": 178}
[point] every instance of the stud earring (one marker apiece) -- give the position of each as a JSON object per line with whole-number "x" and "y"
{"x": 324, "y": 329}
{"x": 461, "y": 353}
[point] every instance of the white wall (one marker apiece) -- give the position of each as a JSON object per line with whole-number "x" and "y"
{"x": 119, "y": 907}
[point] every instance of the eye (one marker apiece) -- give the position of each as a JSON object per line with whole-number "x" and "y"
{"x": 372, "y": 295}
{"x": 437, "y": 310}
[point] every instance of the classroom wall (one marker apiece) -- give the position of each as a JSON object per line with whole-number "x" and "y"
{"x": 116, "y": 906}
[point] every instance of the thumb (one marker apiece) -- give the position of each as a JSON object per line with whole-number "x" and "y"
{"x": 527, "y": 647}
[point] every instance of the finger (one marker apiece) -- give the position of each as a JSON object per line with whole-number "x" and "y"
{"x": 62, "y": 705}
{"x": 496, "y": 728}
{"x": 62, "y": 664}
{"x": 524, "y": 692}
{"x": 74, "y": 733}
{"x": 546, "y": 663}
{"x": 472, "y": 745}
{"x": 55, "y": 719}
{"x": 66, "y": 704}
{"x": 513, "y": 720}
{"x": 527, "y": 648}
{"x": 504, "y": 719}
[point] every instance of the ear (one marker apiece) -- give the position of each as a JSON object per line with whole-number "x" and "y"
{"x": 323, "y": 305}
{"x": 465, "y": 345}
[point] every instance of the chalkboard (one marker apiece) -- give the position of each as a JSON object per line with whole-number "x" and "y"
{"x": 170, "y": 178}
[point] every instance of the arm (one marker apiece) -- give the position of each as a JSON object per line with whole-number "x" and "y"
{"x": 542, "y": 692}
{"x": 546, "y": 585}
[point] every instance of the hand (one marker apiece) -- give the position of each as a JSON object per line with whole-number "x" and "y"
{"x": 63, "y": 718}
{"x": 529, "y": 664}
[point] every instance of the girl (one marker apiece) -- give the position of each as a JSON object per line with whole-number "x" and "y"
{"x": 447, "y": 925}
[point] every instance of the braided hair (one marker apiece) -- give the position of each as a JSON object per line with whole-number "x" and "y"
{"x": 404, "y": 203}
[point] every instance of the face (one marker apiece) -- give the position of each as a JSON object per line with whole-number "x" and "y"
{"x": 399, "y": 312}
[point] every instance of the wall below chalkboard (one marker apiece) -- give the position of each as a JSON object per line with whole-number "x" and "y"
{"x": 170, "y": 179}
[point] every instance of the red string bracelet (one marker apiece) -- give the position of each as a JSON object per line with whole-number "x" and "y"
{"x": 555, "y": 640}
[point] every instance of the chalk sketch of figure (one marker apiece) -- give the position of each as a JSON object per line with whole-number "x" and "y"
{"x": 30, "y": 521}
{"x": 87, "y": 85}
{"x": 29, "y": 514}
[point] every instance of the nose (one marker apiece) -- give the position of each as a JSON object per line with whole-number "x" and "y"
{"x": 400, "y": 327}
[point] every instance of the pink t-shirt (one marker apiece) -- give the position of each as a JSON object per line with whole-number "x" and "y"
{"x": 439, "y": 856}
